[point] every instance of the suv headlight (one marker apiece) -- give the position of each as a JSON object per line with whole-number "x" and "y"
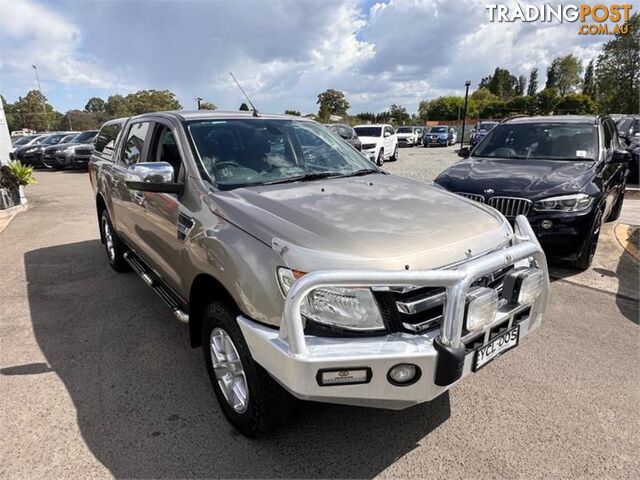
{"x": 31, "y": 150}
{"x": 352, "y": 309}
{"x": 577, "y": 202}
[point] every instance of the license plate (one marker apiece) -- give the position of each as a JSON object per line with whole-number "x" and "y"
{"x": 496, "y": 347}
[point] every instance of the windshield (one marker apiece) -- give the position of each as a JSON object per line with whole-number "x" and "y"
{"x": 23, "y": 140}
{"x": 85, "y": 137}
{"x": 438, "y": 130}
{"x": 242, "y": 152}
{"x": 68, "y": 138}
{"x": 52, "y": 140}
{"x": 554, "y": 141}
{"x": 368, "y": 131}
{"x": 404, "y": 130}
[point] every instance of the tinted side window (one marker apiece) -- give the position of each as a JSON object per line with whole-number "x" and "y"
{"x": 106, "y": 140}
{"x": 607, "y": 135}
{"x": 134, "y": 145}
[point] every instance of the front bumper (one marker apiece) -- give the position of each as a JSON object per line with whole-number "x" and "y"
{"x": 370, "y": 154}
{"x": 295, "y": 359}
{"x": 565, "y": 239}
{"x": 405, "y": 142}
{"x": 435, "y": 142}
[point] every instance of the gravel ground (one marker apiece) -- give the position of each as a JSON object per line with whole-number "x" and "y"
{"x": 423, "y": 164}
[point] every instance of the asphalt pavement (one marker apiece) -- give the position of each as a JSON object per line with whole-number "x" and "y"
{"x": 97, "y": 380}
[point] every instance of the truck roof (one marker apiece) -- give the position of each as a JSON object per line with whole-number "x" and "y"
{"x": 186, "y": 115}
{"x": 556, "y": 119}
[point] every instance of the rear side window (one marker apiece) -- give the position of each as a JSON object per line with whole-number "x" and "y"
{"x": 608, "y": 135}
{"x": 106, "y": 139}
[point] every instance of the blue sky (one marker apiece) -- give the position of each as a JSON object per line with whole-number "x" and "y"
{"x": 283, "y": 52}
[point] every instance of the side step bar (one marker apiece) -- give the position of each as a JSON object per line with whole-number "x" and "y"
{"x": 163, "y": 292}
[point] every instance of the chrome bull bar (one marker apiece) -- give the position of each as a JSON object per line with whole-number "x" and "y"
{"x": 456, "y": 282}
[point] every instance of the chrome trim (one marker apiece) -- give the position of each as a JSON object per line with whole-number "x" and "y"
{"x": 510, "y": 206}
{"x": 456, "y": 282}
{"x": 421, "y": 304}
{"x": 471, "y": 196}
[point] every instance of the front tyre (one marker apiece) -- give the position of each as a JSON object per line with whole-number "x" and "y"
{"x": 114, "y": 247}
{"x": 394, "y": 157}
{"x": 380, "y": 159}
{"x": 250, "y": 399}
{"x": 585, "y": 259}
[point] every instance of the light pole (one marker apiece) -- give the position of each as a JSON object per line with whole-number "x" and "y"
{"x": 198, "y": 99}
{"x": 464, "y": 116}
{"x": 44, "y": 106}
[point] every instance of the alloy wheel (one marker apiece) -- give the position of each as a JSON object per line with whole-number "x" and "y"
{"x": 229, "y": 370}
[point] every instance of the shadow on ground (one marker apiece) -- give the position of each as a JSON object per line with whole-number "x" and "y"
{"x": 144, "y": 404}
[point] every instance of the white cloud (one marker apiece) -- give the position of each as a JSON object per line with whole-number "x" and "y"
{"x": 284, "y": 52}
{"x": 34, "y": 35}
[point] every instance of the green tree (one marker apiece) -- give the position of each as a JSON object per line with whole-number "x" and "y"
{"x": 589, "y": 84}
{"x": 117, "y": 106}
{"x": 441, "y": 108}
{"x": 34, "y": 112}
{"x": 565, "y": 74}
{"x": 207, "y": 106}
{"x": 334, "y": 103}
{"x": 546, "y": 101}
{"x": 95, "y": 104}
{"x": 244, "y": 107}
{"x": 493, "y": 109}
{"x": 521, "y": 87}
{"x": 518, "y": 105}
{"x": 145, "y": 101}
{"x": 576, "y": 104}
{"x": 617, "y": 71}
{"x": 292, "y": 112}
{"x": 324, "y": 113}
{"x": 399, "y": 114}
{"x": 502, "y": 83}
{"x": 79, "y": 120}
{"x": 533, "y": 83}
{"x": 367, "y": 116}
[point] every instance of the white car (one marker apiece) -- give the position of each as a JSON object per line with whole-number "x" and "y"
{"x": 379, "y": 142}
{"x": 407, "y": 136}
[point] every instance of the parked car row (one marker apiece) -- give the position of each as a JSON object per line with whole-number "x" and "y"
{"x": 54, "y": 150}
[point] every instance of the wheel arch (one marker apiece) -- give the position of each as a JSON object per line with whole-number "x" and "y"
{"x": 204, "y": 289}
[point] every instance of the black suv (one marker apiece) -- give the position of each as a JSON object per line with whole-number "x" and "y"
{"x": 566, "y": 174}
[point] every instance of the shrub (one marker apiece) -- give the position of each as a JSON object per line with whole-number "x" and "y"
{"x": 16, "y": 174}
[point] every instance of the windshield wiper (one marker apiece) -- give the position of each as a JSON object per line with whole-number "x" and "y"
{"x": 304, "y": 178}
{"x": 359, "y": 173}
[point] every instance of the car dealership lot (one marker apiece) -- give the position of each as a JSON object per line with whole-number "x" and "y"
{"x": 97, "y": 378}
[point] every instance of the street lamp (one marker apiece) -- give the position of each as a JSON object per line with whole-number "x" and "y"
{"x": 464, "y": 116}
{"x": 44, "y": 106}
{"x": 198, "y": 99}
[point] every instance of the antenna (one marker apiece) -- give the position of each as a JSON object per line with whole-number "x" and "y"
{"x": 255, "y": 110}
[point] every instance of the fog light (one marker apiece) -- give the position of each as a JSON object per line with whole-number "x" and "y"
{"x": 346, "y": 376}
{"x": 523, "y": 285}
{"x": 546, "y": 224}
{"x": 482, "y": 307}
{"x": 404, "y": 374}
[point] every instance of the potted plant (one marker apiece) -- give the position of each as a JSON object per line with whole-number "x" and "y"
{"x": 13, "y": 178}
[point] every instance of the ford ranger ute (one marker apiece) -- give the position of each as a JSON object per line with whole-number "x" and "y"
{"x": 304, "y": 271}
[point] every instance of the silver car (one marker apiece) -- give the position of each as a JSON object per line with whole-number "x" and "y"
{"x": 302, "y": 270}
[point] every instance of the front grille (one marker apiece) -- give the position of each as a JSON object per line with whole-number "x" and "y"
{"x": 510, "y": 206}
{"x": 83, "y": 152}
{"x": 420, "y": 310}
{"x": 471, "y": 196}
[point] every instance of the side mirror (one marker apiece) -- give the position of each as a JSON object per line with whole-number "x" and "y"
{"x": 152, "y": 177}
{"x": 464, "y": 152}
{"x": 620, "y": 156}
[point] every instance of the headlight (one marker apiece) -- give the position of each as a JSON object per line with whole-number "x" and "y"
{"x": 576, "y": 202}
{"x": 481, "y": 308}
{"x": 523, "y": 285}
{"x": 31, "y": 150}
{"x": 368, "y": 146}
{"x": 352, "y": 309}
